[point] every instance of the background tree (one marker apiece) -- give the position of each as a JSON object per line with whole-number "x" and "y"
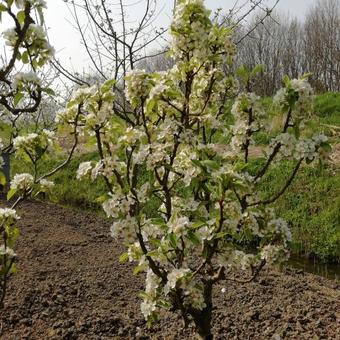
{"x": 322, "y": 45}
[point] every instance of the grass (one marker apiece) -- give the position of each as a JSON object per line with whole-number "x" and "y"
{"x": 68, "y": 190}
{"x": 311, "y": 207}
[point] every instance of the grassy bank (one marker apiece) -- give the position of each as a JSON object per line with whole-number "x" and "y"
{"x": 311, "y": 207}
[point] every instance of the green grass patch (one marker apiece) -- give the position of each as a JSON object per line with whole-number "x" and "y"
{"x": 311, "y": 207}
{"x": 68, "y": 190}
{"x": 328, "y": 105}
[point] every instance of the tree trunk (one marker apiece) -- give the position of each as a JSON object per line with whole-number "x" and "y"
{"x": 203, "y": 318}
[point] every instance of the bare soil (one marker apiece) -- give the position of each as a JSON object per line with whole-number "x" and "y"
{"x": 70, "y": 285}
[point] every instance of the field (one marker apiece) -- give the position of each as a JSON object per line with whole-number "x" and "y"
{"x": 70, "y": 285}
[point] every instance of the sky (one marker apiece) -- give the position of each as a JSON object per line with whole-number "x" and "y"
{"x": 66, "y": 39}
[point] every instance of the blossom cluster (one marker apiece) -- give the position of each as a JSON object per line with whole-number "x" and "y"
{"x": 36, "y": 43}
{"x": 22, "y": 182}
{"x": 296, "y": 94}
{"x": 247, "y": 111}
{"x": 26, "y": 80}
{"x": 194, "y": 34}
{"x": 299, "y": 149}
{"x": 91, "y": 106}
{"x": 8, "y": 216}
{"x": 34, "y": 144}
{"x": 138, "y": 85}
{"x": 46, "y": 186}
{"x": 34, "y": 3}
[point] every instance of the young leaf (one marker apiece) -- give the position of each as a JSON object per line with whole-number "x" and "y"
{"x": 11, "y": 193}
{"x": 17, "y": 98}
{"x": 21, "y": 17}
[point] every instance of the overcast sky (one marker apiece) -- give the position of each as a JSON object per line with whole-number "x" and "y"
{"x": 65, "y": 39}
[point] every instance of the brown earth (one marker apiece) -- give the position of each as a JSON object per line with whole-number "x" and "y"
{"x": 70, "y": 285}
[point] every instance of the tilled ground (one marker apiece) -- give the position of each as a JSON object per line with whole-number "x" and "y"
{"x": 70, "y": 285}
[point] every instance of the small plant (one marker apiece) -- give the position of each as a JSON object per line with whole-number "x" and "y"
{"x": 209, "y": 222}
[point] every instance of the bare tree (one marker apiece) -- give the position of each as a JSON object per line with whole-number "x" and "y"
{"x": 264, "y": 46}
{"x": 114, "y": 40}
{"x": 322, "y": 44}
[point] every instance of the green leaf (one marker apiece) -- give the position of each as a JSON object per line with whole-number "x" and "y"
{"x": 13, "y": 269}
{"x": 150, "y": 105}
{"x": 108, "y": 85}
{"x": 155, "y": 242}
{"x": 193, "y": 237}
{"x": 12, "y": 237}
{"x": 242, "y": 73}
{"x": 123, "y": 257}
{"x": 173, "y": 240}
{"x": 49, "y": 91}
{"x": 199, "y": 164}
{"x": 137, "y": 270}
{"x": 11, "y": 193}
{"x": 286, "y": 80}
{"x": 205, "y": 252}
{"x": 17, "y": 98}
{"x": 143, "y": 295}
{"x": 198, "y": 225}
{"x": 157, "y": 221}
{"x": 152, "y": 253}
{"x": 220, "y": 235}
{"x": 24, "y": 58}
{"x": 21, "y": 17}
{"x": 3, "y": 8}
{"x": 211, "y": 164}
{"x": 101, "y": 199}
{"x": 297, "y": 130}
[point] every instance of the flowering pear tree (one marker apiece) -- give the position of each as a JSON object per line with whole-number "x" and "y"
{"x": 184, "y": 193}
{"x": 20, "y": 95}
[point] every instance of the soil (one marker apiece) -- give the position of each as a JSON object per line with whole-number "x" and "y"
{"x": 70, "y": 285}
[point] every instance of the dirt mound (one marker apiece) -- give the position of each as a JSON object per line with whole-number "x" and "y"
{"x": 70, "y": 285}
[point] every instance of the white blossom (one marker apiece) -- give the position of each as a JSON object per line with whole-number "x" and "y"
{"x": 179, "y": 226}
{"x": 22, "y": 182}
{"x": 173, "y": 277}
{"x": 147, "y": 308}
{"x": 25, "y": 79}
{"x": 84, "y": 169}
{"x": 46, "y": 185}
{"x": 7, "y": 251}
{"x": 8, "y": 215}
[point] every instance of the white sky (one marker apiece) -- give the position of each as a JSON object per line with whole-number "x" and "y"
{"x": 66, "y": 40}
